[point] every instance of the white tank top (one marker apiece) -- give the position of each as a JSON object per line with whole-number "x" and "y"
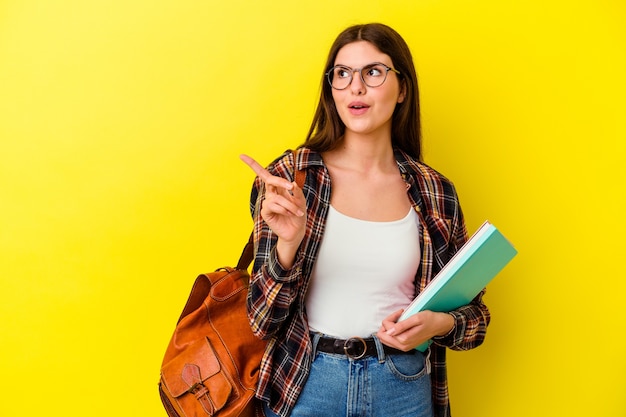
{"x": 364, "y": 271}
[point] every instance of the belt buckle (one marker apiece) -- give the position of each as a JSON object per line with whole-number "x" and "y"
{"x": 350, "y": 355}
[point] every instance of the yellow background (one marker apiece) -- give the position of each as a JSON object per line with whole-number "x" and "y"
{"x": 120, "y": 127}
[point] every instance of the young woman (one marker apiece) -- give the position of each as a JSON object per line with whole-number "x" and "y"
{"x": 337, "y": 261}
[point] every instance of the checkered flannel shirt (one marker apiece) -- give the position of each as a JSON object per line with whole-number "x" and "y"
{"x": 276, "y": 297}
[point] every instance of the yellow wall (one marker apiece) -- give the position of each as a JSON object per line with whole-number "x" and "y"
{"x": 120, "y": 126}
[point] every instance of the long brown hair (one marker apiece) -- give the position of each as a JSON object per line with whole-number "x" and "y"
{"x": 327, "y": 127}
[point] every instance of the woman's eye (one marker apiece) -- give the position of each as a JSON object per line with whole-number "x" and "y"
{"x": 342, "y": 73}
{"x": 375, "y": 71}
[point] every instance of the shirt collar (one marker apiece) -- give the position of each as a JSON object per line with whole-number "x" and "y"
{"x": 307, "y": 158}
{"x": 406, "y": 164}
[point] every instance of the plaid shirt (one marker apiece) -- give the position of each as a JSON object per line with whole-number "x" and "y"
{"x": 276, "y": 297}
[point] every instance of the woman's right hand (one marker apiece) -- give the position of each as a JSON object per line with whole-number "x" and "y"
{"x": 283, "y": 209}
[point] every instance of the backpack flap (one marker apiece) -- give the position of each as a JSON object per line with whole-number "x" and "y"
{"x": 194, "y": 376}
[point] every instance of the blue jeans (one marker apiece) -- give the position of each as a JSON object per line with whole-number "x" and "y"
{"x": 397, "y": 385}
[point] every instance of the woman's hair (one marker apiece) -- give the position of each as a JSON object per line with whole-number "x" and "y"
{"x": 327, "y": 127}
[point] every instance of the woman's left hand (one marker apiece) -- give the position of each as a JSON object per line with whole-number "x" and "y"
{"x": 415, "y": 330}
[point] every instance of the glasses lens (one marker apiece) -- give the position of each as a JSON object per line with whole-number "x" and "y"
{"x": 339, "y": 77}
{"x": 374, "y": 75}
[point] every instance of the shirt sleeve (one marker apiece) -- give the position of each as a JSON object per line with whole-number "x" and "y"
{"x": 273, "y": 289}
{"x": 470, "y": 321}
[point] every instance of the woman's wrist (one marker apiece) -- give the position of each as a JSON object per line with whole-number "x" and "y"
{"x": 447, "y": 324}
{"x": 286, "y": 253}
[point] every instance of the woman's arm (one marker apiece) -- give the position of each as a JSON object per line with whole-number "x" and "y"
{"x": 279, "y": 214}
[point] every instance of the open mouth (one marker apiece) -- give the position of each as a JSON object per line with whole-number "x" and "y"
{"x": 357, "y": 105}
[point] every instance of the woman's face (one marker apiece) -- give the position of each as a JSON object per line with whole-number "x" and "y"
{"x": 366, "y": 110}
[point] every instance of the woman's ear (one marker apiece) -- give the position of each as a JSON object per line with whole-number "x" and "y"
{"x": 402, "y": 94}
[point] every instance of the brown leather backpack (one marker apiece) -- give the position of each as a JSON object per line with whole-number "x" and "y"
{"x": 211, "y": 364}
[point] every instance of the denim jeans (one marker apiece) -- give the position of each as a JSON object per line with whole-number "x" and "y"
{"x": 396, "y": 385}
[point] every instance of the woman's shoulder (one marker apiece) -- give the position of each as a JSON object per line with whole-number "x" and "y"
{"x": 420, "y": 170}
{"x": 436, "y": 192}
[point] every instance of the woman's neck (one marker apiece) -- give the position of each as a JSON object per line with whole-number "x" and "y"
{"x": 364, "y": 154}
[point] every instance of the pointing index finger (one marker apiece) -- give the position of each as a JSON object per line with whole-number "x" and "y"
{"x": 264, "y": 174}
{"x": 256, "y": 167}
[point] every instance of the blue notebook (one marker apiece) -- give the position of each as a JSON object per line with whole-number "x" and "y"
{"x": 478, "y": 261}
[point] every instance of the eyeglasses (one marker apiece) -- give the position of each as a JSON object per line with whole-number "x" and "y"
{"x": 372, "y": 75}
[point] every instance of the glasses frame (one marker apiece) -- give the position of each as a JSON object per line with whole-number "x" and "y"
{"x": 330, "y": 72}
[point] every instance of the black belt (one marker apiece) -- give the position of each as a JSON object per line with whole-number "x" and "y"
{"x": 355, "y": 347}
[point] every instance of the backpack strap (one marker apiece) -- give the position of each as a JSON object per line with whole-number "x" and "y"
{"x": 248, "y": 250}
